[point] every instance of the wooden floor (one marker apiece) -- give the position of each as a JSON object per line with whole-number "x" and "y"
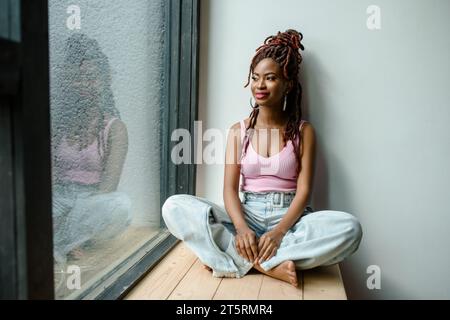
{"x": 181, "y": 276}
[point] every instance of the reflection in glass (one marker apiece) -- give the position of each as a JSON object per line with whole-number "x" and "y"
{"x": 106, "y": 82}
{"x": 89, "y": 149}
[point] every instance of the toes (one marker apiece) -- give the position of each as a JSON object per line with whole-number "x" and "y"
{"x": 294, "y": 281}
{"x": 291, "y": 266}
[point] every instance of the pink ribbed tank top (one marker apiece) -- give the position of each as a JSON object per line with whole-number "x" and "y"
{"x": 262, "y": 174}
{"x": 83, "y": 166}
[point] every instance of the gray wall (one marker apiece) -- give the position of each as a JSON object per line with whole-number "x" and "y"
{"x": 379, "y": 102}
{"x": 131, "y": 35}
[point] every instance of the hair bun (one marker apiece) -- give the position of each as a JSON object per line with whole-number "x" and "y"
{"x": 291, "y": 38}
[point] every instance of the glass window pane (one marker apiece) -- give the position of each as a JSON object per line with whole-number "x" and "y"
{"x": 106, "y": 60}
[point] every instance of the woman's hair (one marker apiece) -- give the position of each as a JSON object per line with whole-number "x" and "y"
{"x": 84, "y": 62}
{"x": 283, "y": 48}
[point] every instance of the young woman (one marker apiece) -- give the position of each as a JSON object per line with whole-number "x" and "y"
{"x": 90, "y": 144}
{"x": 272, "y": 229}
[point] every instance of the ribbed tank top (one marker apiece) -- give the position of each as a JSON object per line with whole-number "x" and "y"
{"x": 83, "y": 166}
{"x": 262, "y": 174}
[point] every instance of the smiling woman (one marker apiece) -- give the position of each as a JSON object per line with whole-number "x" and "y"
{"x": 273, "y": 229}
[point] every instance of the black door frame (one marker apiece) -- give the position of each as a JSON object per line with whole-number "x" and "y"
{"x": 25, "y": 118}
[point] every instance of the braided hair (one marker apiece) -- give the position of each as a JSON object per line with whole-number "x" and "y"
{"x": 283, "y": 48}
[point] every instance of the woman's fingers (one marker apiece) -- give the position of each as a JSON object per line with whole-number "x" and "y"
{"x": 247, "y": 246}
{"x": 273, "y": 253}
{"x": 263, "y": 245}
{"x": 244, "y": 250}
{"x": 248, "y": 249}
{"x": 255, "y": 251}
{"x": 266, "y": 254}
{"x": 268, "y": 248}
{"x": 239, "y": 248}
{"x": 254, "y": 247}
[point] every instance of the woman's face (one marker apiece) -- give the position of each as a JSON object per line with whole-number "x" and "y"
{"x": 85, "y": 89}
{"x": 268, "y": 84}
{"x": 87, "y": 80}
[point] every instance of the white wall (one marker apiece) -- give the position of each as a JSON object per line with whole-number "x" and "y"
{"x": 379, "y": 102}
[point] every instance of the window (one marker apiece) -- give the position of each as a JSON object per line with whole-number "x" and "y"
{"x": 117, "y": 84}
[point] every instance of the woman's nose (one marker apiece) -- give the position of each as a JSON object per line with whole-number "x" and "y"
{"x": 261, "y": 84}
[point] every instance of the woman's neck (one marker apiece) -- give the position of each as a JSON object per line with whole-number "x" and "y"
{"x": 85, "y": 136}
{"x": 271, "y": 118}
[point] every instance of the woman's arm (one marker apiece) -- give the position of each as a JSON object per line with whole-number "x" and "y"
{"x": 116, "y": 153}
{"x": 231, "y": 178}
{"x": 246, "y": 244}
{"x": 269, "y": 242}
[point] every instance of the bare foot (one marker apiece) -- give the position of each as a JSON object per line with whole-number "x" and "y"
{"x": 284, "y": 271}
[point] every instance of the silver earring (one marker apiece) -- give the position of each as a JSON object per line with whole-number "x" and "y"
{"x": 251, "y": 104}
{"x": 285, "y": 103}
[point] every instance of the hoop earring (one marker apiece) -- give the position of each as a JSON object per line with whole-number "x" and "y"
{"x": 251, "y": 104}
{"x": 285, "y": 103}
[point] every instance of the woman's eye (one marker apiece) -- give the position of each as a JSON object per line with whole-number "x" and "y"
{"x": 271, "y": 78}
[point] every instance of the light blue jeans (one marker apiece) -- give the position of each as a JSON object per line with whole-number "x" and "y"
{"x": 81, "y": 215}
{"x": 318, "y": 238}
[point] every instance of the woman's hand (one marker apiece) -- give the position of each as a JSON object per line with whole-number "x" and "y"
{"x": 268, "y": 245}
{"x": 246, "y": 244}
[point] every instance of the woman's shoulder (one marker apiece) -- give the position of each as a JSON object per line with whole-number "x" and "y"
{"x": 237, "y": 125}
{"x": 115, "y": 127}
{"x": 237, "y": 129}
{"x": 308, "y": 132}
{"x": 306, "y": 124}
{"x": 110, "y": 121}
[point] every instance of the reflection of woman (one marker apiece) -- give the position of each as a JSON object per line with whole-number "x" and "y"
{"x": 272, "y": 229}
{"x": 89, "y": 148}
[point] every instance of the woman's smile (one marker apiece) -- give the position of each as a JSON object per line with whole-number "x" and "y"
{"x": 261, "y": 95}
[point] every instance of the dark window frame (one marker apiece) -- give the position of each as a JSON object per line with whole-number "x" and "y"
{"x": 26, "y": 205}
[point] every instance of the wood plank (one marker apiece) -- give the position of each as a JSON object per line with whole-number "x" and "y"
{"x": 323, "y": 283}
{"x": 273, "y": 289}
{"x": 246, "y": 288}
{"x": 180, "y": 275}
{"x": 197, "y": 284}
{"x": 164, "y": 278}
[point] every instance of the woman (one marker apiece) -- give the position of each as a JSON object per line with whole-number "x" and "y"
{"x": 90, "y": 144}
{"x": 272, "y": 229}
